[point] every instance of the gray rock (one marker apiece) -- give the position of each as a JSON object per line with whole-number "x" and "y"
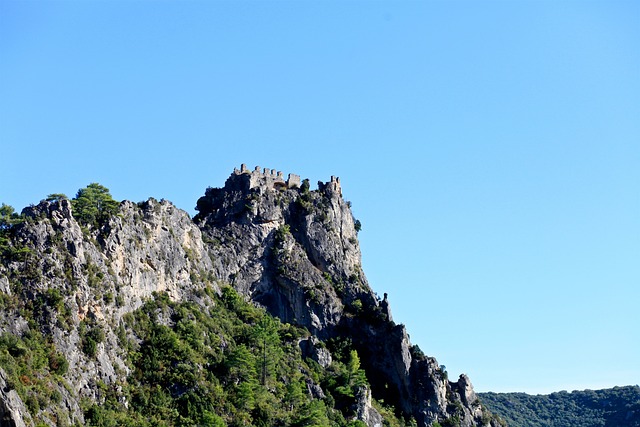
{"x": 312, "y": 349}
{"x": 365, "y": 412}
{"x": 315, "y": 391}
{"x": 293, "y": 251}
{"x": 102, "y": 275}
{"x": 13, "y": 412}
{"x": 290, "y": 251}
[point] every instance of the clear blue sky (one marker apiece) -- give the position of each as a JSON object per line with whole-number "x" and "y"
{"x": 491, "y": 149}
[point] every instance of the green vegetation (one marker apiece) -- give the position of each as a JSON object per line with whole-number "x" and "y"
{"x": 281, "y": 233}
{"x": 8, "y": 220}
{"x": 33, "y": 367}
{"x": 91, "y": 335}
{"x": 8, "y": 217}
{"x": 56, "y": 197}
{"x": 212, "y": 359}
{"x": 619, "y": 407}
{"x": 304, "y": 201}
{"x": 226, "y": 364}
{"x": 305, "y": 187}
{"x": 93, "y": 205}
{"x": 220, "y": 362}
{"x": 6, "y": 214}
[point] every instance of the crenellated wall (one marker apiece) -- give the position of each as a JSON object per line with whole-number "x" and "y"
{"x": 270, "y": 178}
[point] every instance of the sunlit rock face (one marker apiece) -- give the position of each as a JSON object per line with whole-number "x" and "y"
{"x": 295, "y": 251}
{"x": 280, "y": 244}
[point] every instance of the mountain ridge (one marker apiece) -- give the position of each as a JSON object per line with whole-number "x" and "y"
{"x": 70, "y": 284}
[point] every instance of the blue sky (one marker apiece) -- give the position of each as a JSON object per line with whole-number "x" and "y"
{"x": 490, "y": 149}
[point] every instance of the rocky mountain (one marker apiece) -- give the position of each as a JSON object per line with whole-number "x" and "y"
{"x": 138, "y": 313}
{"x": 615, "y": 407}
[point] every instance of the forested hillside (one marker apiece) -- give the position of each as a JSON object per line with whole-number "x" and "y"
{"x": 615, "y": 407}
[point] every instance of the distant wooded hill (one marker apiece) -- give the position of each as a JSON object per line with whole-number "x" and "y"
{"x": 615, "y": 407}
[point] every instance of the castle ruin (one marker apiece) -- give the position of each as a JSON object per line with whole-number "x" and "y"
{"x": 271, "y": 179}
{"x": 267, "y": 178}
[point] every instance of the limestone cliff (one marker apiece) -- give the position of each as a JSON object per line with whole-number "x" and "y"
{"x": 296, "y": 252}
{"x": 73, "y": 276}
{"x": 287, "y": 248}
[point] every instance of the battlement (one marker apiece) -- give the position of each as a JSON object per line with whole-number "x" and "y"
{"x": 268, "y": 178}
{"x": 272, "y": 179}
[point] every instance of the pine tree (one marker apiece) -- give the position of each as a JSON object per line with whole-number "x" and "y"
{"x": 93, "y": 205}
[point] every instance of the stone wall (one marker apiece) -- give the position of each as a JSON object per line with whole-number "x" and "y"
{"x": 270, "y": 178}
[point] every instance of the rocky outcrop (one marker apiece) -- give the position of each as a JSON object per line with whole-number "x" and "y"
{"x": 291, "y": 250}
{"x": 97, "y": 276}
{"x": 295, "y": 252}
{"x": 281, "y": 245}
{"x": 365, "y": 411}
{"x": 314, "y": 349}
{"x": 13, "y": 412}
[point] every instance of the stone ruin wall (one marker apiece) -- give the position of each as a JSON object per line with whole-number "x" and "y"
{"x": 270, "y": 178}
{"x": 334, "y": 184}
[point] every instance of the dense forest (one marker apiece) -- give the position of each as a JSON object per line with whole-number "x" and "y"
{"x": 615, "y": 407}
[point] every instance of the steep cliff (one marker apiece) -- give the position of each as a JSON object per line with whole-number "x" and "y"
{"x": 73, "y": 285}
{"x": 296, "y": 252}
{"x": 71, "y": 291}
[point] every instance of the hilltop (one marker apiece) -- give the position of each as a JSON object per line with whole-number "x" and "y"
{"x": 254, "y": 312}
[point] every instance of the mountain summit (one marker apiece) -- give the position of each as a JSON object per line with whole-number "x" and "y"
{"x": 254, "y": 312}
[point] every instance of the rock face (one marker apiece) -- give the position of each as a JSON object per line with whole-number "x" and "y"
{"x": 296, "y": 252}
{"x": 289, "y": 249}
{"x": 103, "y": 274}
{"x": 365, "y": 411}
{"x": 12, "y": 410}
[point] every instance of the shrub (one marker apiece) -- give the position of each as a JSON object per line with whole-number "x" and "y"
{"x": 282, "y": 232}
{"x": 417, "y": 352}
{"x": 56, "y": 197}
{"x": 8, "y": 217}
{"x": 91, "y": 337}
{"x": 356, "y": 305}
{"x": 305, "y": 186}
{"x": 58, "y": 363}
{"x": 107, "y": 297}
